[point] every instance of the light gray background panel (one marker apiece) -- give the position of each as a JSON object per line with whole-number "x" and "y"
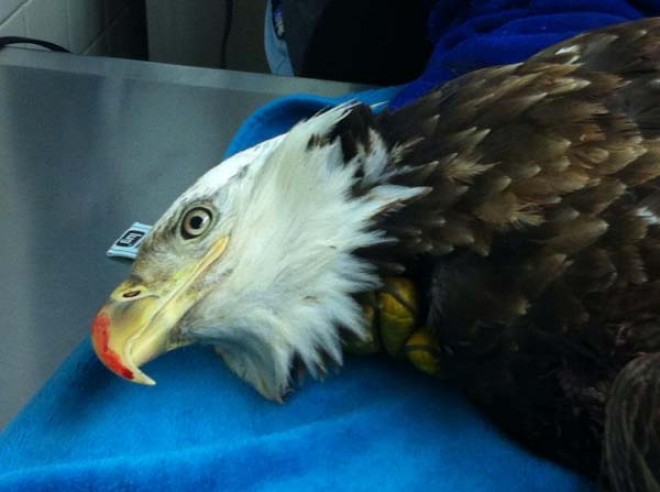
{"x": 87, "y": 146}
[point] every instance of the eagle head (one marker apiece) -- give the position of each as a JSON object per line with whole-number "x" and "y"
{"x": 259, "y": 258}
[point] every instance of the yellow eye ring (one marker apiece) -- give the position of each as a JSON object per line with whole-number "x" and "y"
{"x": 196, "y": 222}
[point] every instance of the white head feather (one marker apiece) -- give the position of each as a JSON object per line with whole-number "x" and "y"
{"x": 285, "y": 284}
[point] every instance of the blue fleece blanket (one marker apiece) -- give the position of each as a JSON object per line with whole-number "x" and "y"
{"x": 375, "y": 425}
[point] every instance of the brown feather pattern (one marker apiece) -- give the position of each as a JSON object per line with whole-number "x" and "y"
{"x": 542, "y": 236}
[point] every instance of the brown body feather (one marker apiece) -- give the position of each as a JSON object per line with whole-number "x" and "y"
{"x": 543, "y": 238}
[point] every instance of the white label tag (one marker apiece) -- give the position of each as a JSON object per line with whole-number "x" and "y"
{"x": 128, "y": 244}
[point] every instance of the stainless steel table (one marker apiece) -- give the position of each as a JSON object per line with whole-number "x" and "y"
{"x": 87, "y": 146}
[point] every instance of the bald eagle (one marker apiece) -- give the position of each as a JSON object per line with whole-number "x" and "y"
{"x": 521, "y": 201}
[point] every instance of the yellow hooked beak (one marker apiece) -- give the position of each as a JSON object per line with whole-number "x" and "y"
{"x": 139, "y": 322}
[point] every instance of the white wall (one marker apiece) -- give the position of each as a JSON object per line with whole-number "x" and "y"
{"x": 97, "y": 27}
{"x": 180, "y": 31}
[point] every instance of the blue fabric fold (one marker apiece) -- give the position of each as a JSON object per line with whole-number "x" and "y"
{"x": 377, "y": 424}
{"x": 280, "y": 115}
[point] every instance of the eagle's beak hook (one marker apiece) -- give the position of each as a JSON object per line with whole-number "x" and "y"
{"x": 142, "y": 320}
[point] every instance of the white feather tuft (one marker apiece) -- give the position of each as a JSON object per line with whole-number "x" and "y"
{"x": 285, "y": 285}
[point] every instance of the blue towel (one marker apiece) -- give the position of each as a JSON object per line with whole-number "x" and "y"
{"x": 377, "y": 424}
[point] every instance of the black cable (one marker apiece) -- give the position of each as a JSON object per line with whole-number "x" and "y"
{"x": 7, "y": 40}
{"x": 229, "y": 14}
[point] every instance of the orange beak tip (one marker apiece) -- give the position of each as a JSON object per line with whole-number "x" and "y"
{"x": 100, "y": 341}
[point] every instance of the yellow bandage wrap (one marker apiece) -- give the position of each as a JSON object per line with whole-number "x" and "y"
{"x": 390, "y": 316}
{"x": 397, "y": 320}
{"x": 423, "y": 350}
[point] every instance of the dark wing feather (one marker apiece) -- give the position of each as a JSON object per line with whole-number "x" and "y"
{"x": 543, "y": 231}
{"x": 628, "y": 48}
{"x": 540, "y": 243}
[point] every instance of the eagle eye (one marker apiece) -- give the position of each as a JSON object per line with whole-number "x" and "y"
{"x": 196, "y": 222}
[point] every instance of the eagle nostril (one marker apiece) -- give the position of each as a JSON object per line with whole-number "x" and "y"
{"x": 131, "y": 293}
